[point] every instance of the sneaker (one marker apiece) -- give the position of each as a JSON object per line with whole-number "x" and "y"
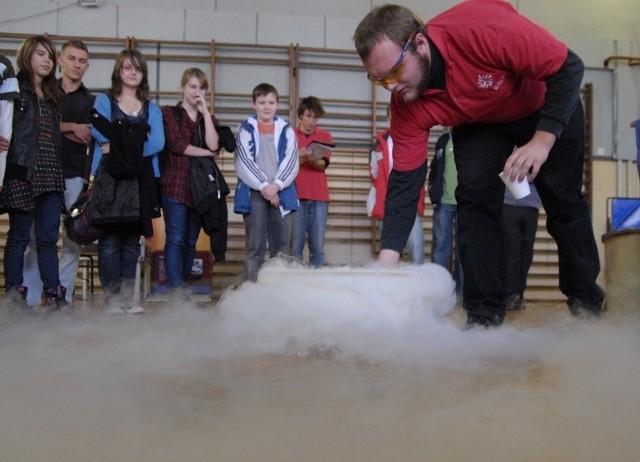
{"x": 55, "y": 300}
{"x": 114, "y": 308}
{"x": 134, "y": 308}
{"x": 16, "y": 298}
{"x": 584, "y": 309}
{"x": 179, "y": 296}
{"x": 514, "y": 302}
{"x": 476, "y": 321}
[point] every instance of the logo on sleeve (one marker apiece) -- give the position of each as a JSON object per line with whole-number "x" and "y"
{"x": 490, "y": 81}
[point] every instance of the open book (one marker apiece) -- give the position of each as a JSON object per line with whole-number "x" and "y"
{"x": 319, "y": 150}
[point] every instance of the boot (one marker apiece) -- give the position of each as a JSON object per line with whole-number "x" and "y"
{"x": 55, "y": 300}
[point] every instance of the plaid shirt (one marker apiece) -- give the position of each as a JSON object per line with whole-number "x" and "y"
{"x": 175, "y": 178}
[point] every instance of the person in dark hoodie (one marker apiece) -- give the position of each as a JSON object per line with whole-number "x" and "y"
{"x": 189, "y": 134}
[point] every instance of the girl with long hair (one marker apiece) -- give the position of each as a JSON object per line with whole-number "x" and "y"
{"x": 126, "y": 173}
{"x": 33, "y": 187}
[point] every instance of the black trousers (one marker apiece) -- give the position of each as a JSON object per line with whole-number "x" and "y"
{"x": 519, "y": 224}
{"x": 480, "y": 151}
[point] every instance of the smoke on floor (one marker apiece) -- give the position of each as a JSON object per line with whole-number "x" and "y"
{"x": 337, "y": 364}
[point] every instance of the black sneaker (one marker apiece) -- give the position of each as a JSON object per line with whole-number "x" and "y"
{"x": 584, "y": 309}
{"x": 55, "y": 300}
{"x": 475, "y": 321}
{"x": 514, "y": 302}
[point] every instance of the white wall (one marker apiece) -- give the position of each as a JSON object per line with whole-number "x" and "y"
{"x": 594, "y": 29}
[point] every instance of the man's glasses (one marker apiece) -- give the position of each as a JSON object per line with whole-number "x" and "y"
{"x": 393, "y": 74}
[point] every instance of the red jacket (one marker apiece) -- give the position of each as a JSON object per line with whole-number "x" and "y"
{"x": 380, "y": 177}
{"x": 496, "y": 62}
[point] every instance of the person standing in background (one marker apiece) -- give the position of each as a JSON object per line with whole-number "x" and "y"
{"x": 182, "y": 222}
{"x": 442, "y": 182}
{"x": 75, "y": 113}
{"x": 9, "y": 91}
{"x": 266, "y": 163}
{"x": 519, "y": 222}
{"x": 125, "y": 163}
{"x": 310, "y": 221}
{"x": 33, "y": 186}
{"x": 380, "y": 166}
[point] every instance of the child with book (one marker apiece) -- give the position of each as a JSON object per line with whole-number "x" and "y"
{"x": 315, "y": 147}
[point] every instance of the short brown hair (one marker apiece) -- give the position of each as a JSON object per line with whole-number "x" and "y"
{"x": 263, "y": 89}
{"x": 395, "y": 22}
{"x": 312, "y": 104}
{"x": 79, "y": 44}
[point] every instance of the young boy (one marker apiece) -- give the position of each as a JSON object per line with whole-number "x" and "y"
{"x": 310, "y": 220}
{"x": 266, "y": 162}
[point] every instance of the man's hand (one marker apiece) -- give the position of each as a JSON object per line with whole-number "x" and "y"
{"x": 388, "y": 258}
{"x": 78, "y": 133}
{"x": 83, "y": 133}
{"x": 529, "y": 158}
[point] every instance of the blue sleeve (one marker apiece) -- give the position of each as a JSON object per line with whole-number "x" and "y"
{"x": 155, "y": 140}
{"x": 103, "y": 106}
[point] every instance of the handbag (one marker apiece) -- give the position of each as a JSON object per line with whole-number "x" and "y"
{"x": 77, "y": 222}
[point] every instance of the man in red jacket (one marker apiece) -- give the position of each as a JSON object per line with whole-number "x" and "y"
{"x": 501, "y": 81}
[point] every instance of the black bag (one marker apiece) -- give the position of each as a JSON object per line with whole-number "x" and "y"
{"x": 197, "y": 140}
{"x": 77, "y": 222}
{"x": 226, "y": 138}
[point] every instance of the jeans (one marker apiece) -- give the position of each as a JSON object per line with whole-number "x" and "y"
{"x": 415, "y": 242}
{"x": 69, "y": 253}
{"x": 182, "y": 227}
{"x": 46, "y": 221}
{"x": 444, "y": 228}
{"x": 310, "y": 220}
{"x": 118, "y": 253}
{"x": 481, "y": 150}
{"x": 520, "y": 224}
{"x": 264, "y": 223}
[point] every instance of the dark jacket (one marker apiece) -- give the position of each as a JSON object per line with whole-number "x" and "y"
{"x": 125, "y": 191}
{"x": 23, "y": 150}
{"x": 208, "y": 191}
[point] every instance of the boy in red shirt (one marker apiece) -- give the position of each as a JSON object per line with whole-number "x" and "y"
{"x": 310, "y": 221}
